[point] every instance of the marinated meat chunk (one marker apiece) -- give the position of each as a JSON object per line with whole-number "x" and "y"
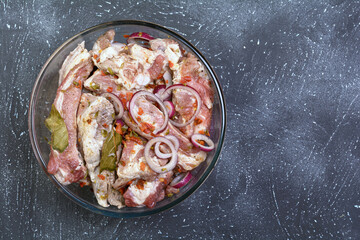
{"x": 148, "y": 193}
{"x": 156, "y": 69}
{"x": 134, "y": 66}
{"x": 68, "y": 166}
{"x": 133, "y": 164}
{"x": 192, "y": 73}
{"x": 94, "y": 119}
{"x": 148, "y": 115}
{"x": 100, "y": 82}
{"x": 104, "y": 41}
{"x": 188, "y": 160}
{"x": 170, "y": 48}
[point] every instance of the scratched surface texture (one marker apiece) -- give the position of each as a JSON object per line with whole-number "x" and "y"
{"x": 289, "y": 168}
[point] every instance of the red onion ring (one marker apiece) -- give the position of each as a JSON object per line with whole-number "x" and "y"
{"x": 121, "y": 122}
{"x": 116, "y": 103}
{"x": 159, "y": 90}
{"x": 139, "y": 35}
{"x": 195, "y": 137}
{"x": 170, "y": 107}
{"x": 155, "y": 167}
{"x": 158, "y": 100}
{"x": 174, "y": 140}
{"x": 181, "y": 180}
{"x": 191, "y": 90}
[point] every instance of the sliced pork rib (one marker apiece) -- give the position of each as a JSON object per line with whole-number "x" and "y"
{"x": 94, "y": 119}
{"x": 192, "y": 73}
{"x": 68, "y": 166}
{"x": 133, "y": 164}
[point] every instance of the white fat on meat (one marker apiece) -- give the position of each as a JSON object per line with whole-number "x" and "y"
{"x": 189, "y": 161}
{"x": 170, "y": 48}
{"x": 94, "y": 117}
{"x": 140, "y": 195}
{"x": 74, "y": 58}
{"x": 130, "y": 163}
{"x": 67, "y": 166}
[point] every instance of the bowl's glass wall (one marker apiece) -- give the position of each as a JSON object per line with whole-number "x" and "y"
{"x": 44, "y": 93}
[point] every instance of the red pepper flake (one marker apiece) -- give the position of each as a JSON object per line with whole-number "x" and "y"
{"x": 115, "y": 76}
{"x": 136, "y": 139}
{"x": 82, "y": 184}
{"x": 96, "y": 56}
{"x": 142, "y": 166}
{"x": 102, "y": 73}
{"x": 129, "y": 182}
{"x": 138, "y": 118}
{"x": 171, "y": 64}
{"x": 109, "y": 89}
{"x": 185, "y": 79}
{"x": 118, "y": 129}
{"x": 88, "y": 121}
{"x": 126, "y": 36}
{"x": 122, "y": 163}
{"x": 141, "y": 111}
{"x": 129, "y": 95}
{"x": 102, "y": 177}
{"x": 197, "y": 121}
{"x": 202, "y": 142}
{"x": 105, "y": 125}
{"x": 123, "y": 100}
{"x": 140, "y": 184}
{"x": 160, "y": 76}
{"x": 122, "y": 190}
{"x": 132, "y": 151}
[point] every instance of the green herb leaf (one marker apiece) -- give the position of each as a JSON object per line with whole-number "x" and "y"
{"x": 104, "y": 133}
{"x": 94, "y": 86}
{"x": 108, "y": 156}
{"x": 59, "y": 134}
{"x": 110, "y": 71}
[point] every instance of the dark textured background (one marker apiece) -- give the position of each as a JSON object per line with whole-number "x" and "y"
{"x": 291, "y": 77}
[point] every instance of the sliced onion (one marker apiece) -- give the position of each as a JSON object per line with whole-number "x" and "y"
{"x": 174, "y": 140}
{"x": 121, "y": 122}
{"x": 154, "y": 166}
{"x": 195, "y": 137}
{"x": 181, "y": 180}
{"x": 191, "y": 90}
{"x": 116, "y": 103}
{"x": 153, "y": 96}
{"x": 139, "y": 35}
{"x": 159, "y": 90}
{"x": 170, "y": 107}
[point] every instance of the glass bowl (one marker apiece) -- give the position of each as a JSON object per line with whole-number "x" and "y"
{"x": 43, "y": 95}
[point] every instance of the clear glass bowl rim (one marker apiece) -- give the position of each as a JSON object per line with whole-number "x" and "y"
{"x": 114, "y": 213}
